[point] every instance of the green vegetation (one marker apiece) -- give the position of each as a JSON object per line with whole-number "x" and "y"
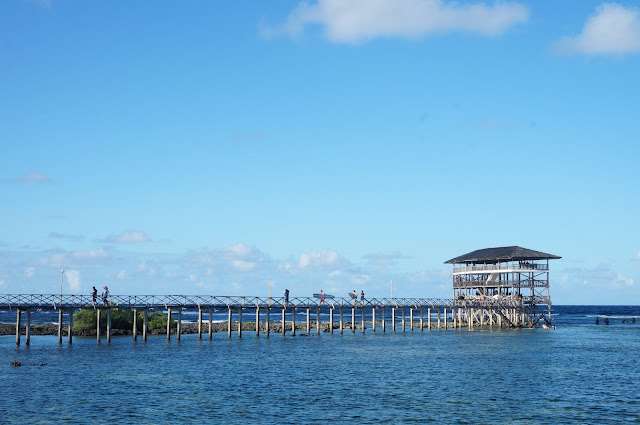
{"x": 120, "y": 319}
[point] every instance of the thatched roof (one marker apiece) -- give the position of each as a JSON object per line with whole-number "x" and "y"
{"x": 502, "y": 254}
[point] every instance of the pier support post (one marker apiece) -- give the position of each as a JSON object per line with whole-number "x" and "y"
{"x": 179, "y": 327}
{"x": 98, "y": 312}
{"x": 393, "y": 319}
{"x": 266, "y": 325}
{"x": 18, "y": 317}
{"x": 199, "y": 323}
{"x": 145, "y": 326}
{"x": 421, "y": 321}
{"x": 384, "y": 322}
{"x": 70, "y": 326}
{"x": 59, "y": 325}
{"x": 284, "y": 324}
{"x": 27, "y": 337}
{"x": 168, "y": 324}
{"x": 481, "y": 317}
{"x": 402, "y": 313}
{"x": 429, "y": 318}
{"x": 308, "y": 321}
{"x": 363, "y": 319}
{"x": 135, "y": 324}
{"x": 353, "y": 320}
{"x": 331, "y": 320}
{"x": 109, "y": 325}
{"x": 411, "y": 319}
{"x": 373, "y": 319}
{"x": 210, "y": 324}
{"x": 257, "y": 321}
{"x": 229, "y": 323}
{"x": 318, "y": 321}
{"x": 240, "y": 323}
{"x": 341, "y": 321}
{"x": 438, "y": 319}
{"x": 445, "y": 319}
{"x": 293, "y": 321}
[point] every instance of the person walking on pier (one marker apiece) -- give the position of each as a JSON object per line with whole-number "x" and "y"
{"x": 321, "y": 297}
{"x": 94, "y": 295}
{"x": 105, "y": 296}
{"x": 286, "y": 297}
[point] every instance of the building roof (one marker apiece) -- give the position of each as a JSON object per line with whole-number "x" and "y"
{"x": 505, "y": 253}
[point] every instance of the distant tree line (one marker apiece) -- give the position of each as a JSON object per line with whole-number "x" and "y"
{"x": 87, "y": 319}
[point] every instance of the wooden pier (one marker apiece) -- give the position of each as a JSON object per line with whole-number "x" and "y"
{"x": 423, "y": 313}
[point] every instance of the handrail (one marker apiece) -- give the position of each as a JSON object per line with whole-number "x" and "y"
{"x": 72, "y": 301}
{"x": 501, "y": 266}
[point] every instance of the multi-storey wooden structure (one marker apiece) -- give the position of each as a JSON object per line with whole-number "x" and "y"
{"x": 489, "y": 277}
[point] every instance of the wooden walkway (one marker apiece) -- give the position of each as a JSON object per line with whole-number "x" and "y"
{"x": 467, "y": 313}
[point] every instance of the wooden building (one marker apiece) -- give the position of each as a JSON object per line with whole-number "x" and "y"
{"x": 510, "y": 275}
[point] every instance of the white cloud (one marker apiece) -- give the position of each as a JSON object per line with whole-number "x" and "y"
{"x": 243, "y": 266}
{"x": 353, "y": 21}
{"x": 29, "y": 178}
{"x": 128, "y": 237}
{"x": 93, "y": 254}
{"x": 326, "y": 259}
{"x": 73, "y": 279}
{"x": 29, "y": 272}
{"x": 122, "y": 275}
{"x": 613, "y": 29}
{"x": 623, "y": 280}
{"x": 383, "y": 259}
{"x": 2, "y": 284}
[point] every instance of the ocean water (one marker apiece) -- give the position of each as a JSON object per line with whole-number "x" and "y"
{"x": 577, "y": 373}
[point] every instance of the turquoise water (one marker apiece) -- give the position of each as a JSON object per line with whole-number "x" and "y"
{"x": 578, "y": 373}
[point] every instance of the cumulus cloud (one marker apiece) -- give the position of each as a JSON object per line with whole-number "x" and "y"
{"x": 56, "y": 235}
{"x": 73, "y": 279}
{"x": 29, "y": 178}
{"x": 326, "y": 259}
{"x": 354, "y": 21}
{"x": 382, "y": 259}
{"x": 613, "y": 29}
{"x": 92, "y": 254}
{"x": 239, "y": 257}
{"x": 128, "y": 237}
{"x": 29, "y": 272}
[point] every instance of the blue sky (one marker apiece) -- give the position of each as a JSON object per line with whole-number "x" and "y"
{"x": 207, "y": 147}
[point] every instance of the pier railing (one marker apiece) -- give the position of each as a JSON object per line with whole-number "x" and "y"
{"x": 500, "y": 266}
{"x": 70, "y": 301}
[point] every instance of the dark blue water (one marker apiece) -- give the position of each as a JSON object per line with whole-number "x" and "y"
{"x": 578, "y": 373}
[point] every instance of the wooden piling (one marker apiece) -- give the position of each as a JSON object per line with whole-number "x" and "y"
{"x": 108, "y": 325}
{"x": 168, "y": 324}
{"x": 384, "y": 322}
{"x": 145, "y": 326}
{"x": 266, "y": 326}
{"x": 70, "y": 326}
{"x": 402, "y": 313}
{"x": 257, "y": 321}
{"x": 135, "y": 324}
{"x": 411, "y": 319}
{"x": 284, "y": 324}
{"x": 199, "y": 323}
{"x": 27, "y": 337}
{"x": 229, "y": 323}
{"x": 59, "y": 326}
{"x": 240, "y": 323}
{"x": 362, "y": 319}
{"x": 179, "y": 327}
{"x": 331, "y": 320}
{"x": 445, "y": 318}
{"x": 438, "y": 319}
{"x": 341, "y": 321}
{"x": 318, "y": 321}
{"x": 293, "y": 321}
{"x": 353, "y": 320}
{"x": 98, "y": 312}
{"x": 373, "y": 319}
{"x": 308, "y": 321}
{"x": 210, "y": 324}
{"x": 18, "y": 317}
{"x": 421, "y": 321}
{"x": 393, "y": 319}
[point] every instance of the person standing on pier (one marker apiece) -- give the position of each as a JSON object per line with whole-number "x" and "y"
{"x": 362, "y": 297}
{"x": 286, "y": 297}
{"x": 94, "y": 295}
{"x": 321, "y": 297}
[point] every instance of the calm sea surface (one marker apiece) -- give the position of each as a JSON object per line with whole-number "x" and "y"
{"x": 578, "y": 373}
